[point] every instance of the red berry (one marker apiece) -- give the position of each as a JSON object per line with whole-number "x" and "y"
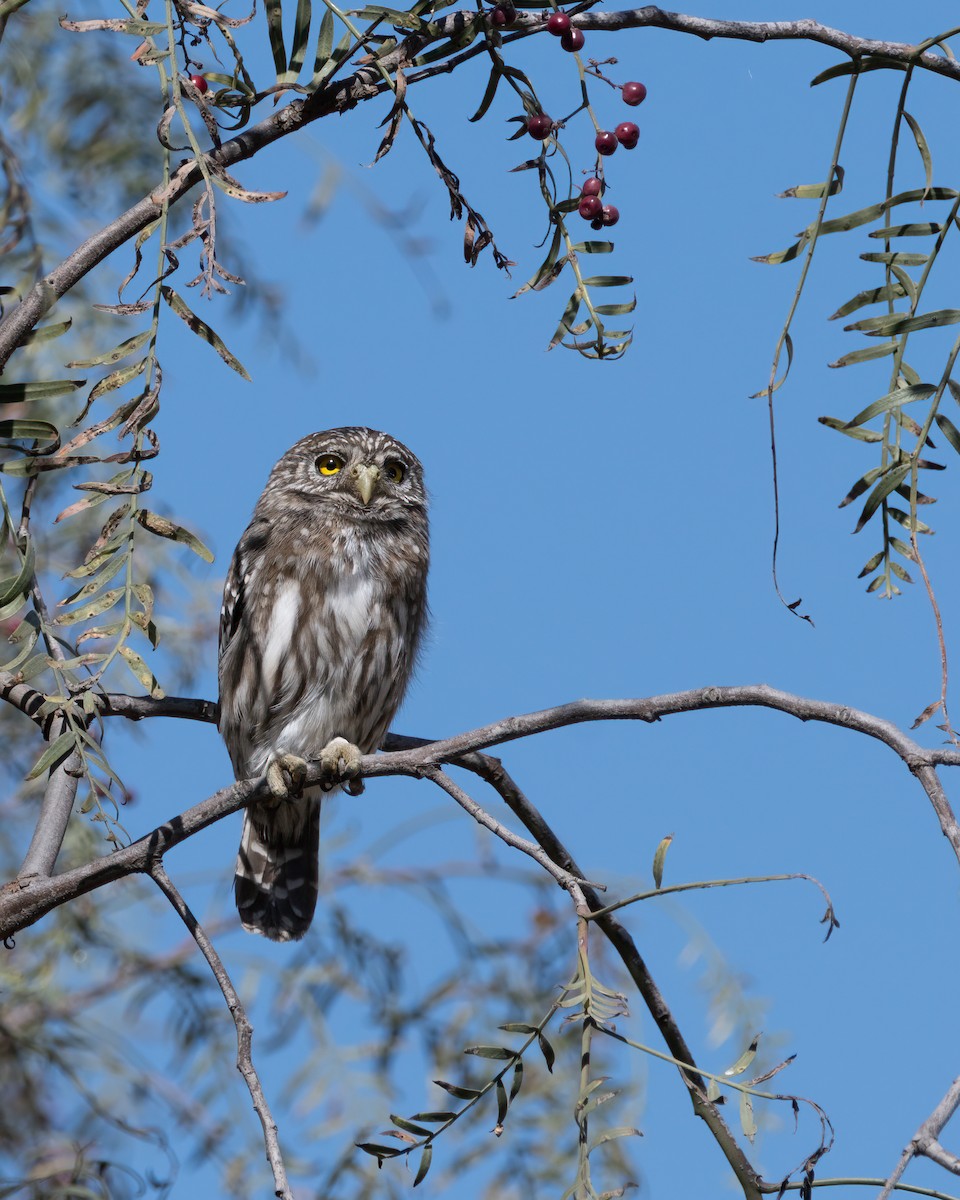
{"x": 539, "y": 126}
{"x": 199, "y": 83}
{"x": 592, "y": 187}
{"x": 572, "y": 40}
{"x": 503, "y": 14}
{"x": 606, "y": 142}
{"x": 610, "y": 214}
{"x": 558, "y": 23}
{"x": 590, "y": 207}
{"x": 627, "y": 134}
{"x": 597, "y": 223}
{"x": 634, "y": 93}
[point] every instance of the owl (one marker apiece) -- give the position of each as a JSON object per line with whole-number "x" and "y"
{"x": 324, "y": 609}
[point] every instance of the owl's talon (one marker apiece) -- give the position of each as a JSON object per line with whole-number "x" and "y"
{"x": 286, "y": 775}
{"x": 340, "y": 766}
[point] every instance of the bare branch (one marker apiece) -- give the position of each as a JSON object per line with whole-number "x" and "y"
{"x": 22, "y": 904}
{"x": 51, "y": 826}
{"x": 566, "y": 879}
{"x": 924, "y": 1141}
{"x": 244, "y": 1028}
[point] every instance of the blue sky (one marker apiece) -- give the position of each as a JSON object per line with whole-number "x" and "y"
{"x": 604, "y": 530}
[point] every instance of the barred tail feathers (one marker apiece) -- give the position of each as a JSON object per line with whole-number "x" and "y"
{"x": 277, "y": 877}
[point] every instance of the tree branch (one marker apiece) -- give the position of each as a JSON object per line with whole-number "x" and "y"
{"x": 340, "y": 95}
{"x": 244, "y": 1028}
{"x": 924, "y": 1141}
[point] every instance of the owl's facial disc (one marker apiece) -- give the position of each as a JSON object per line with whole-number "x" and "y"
{"x": 365, "y": 477}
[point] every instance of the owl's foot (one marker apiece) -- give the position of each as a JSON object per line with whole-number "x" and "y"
{"x": 286, "y": 774}
{"x": 340, "y": 764}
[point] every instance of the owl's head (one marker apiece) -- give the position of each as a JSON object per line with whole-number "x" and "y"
{"x": 358, "y": 473}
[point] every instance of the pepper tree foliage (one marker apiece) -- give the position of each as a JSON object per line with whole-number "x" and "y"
{"x": 81, "y": 1104}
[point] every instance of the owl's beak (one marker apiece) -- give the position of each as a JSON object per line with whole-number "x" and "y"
{"x": 365, "y": 479}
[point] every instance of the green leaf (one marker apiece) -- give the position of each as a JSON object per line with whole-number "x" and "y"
{"x": 593, "y": 247}
{"x": 301, "y": 34}
{"x": 865, "y": 355}
{"x": 615, "y": 310}
{"x": 859, "y": 65}
{"x": 378, "y": 1151}
{"x": 497, "y": 1052}
{"x": 864, "y": 482}
{"x": 503, "y": 1104}
{"x": 891, "y": 480}
{"x": 109, "y": 357}
{"x": 896, "y": 256}
{"x": 275, "y": 30}
{"x": 169, "y": 529}
{"x": 324, "y": 41}
{"x": 110, "y": 383}
{"x": 425, "y": 1159}
{"x": 900, "y": 572}
{"x": 566, "y": 321}
{"x": 871, "y": 564}
{"x": 894, "y": 399}
{"x": 921, "y": 146}
{"x": 93, "y": 609}
{"x": 897, "y": 323}
{"x": 491, "y": 90}
{"x": 914, "y": 524}
{"x": 21, "y": 428}
{"x": 745, "y": 1059}
{"x": 916, "y": 229}
{"x": 46, "y": 333}
{"x": 461, "y": 1093}
{"x": 19, "y": 583}
{"x": 517, "y": 1027}
{"x": 658, "y": 859}
{"x": 440, "y": 1118}
{"x": 814, "y": 191}
{"x": 21, "y": 393}
{"x": 747, "y": 1122}
{"x": 608, "y": 1135}
{"x": 27, "y": 632}
{"x": 949, "y": 430}
{"x": 327, "y": 67}
{"x": 608, "y": 280}
{"x": 141, "y": 672}
{"x": 548, "y": 1052}
{"x": 892, "y": 291}
{"x": 409, "y": 1126}
{"x": 517, "y": 1080}
{"x": 54, "y": 754}
{"x": 203, "y": 330}
{"x": 862, "y": 435}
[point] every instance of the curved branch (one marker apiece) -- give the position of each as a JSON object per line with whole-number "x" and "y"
{"x": 340, "y": 95}
{"x": 244, "y": 1028}
{"x": 25, "y": 902}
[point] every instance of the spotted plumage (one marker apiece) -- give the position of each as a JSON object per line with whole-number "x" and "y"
{"x": 323, "y": 610}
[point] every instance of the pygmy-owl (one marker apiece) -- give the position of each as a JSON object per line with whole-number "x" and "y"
{"x": 323, "y": 611}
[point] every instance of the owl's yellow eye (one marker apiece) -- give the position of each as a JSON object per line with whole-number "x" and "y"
{"x": 395, "y": 470}
{"x": 329, "y": 464}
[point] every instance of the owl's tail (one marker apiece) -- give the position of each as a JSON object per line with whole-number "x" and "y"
{"x": 277, "y": 877}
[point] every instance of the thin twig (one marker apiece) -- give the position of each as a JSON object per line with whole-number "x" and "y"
{"x": 244, "y": 1028}
{"x": 567, "y": 880}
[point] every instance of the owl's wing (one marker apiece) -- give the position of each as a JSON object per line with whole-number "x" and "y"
{"x": 236, "y": 589}
{"x": 233, "y": 598}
